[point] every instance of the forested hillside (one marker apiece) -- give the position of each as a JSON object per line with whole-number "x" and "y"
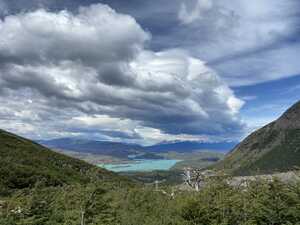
{"x": 24, "y": 163}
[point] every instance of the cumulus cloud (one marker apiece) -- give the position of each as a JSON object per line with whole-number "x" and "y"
{"x": 97, "y": 36}
{"x": 65, "y": 73}
{"x": 238, "y": 39}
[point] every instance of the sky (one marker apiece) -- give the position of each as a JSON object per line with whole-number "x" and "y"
{"x": 147, "y": 71}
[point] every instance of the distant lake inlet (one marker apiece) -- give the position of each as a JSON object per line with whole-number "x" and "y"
{"x": 141, "y": 165}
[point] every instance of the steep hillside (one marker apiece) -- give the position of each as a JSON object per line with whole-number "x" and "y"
{"x": 24, "y": 163}
{"x": 275, "y": 147}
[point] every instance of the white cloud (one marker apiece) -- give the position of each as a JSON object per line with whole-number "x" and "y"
{"x": 90, "y": 73}
{"x": 261, "y": 67}
{"x": 247, "y": 42}
{"x": 189, "y": 16}
{"x": 94, "y": 30}
{"x": 153, "y": 136}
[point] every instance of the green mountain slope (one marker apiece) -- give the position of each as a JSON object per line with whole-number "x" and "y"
{"x": 275, "y": 147}
{"x": 24, "y": 163}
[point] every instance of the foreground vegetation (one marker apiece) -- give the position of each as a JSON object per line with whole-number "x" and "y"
{"x": 170, "y": 177}
{"x": 99, "y": 203}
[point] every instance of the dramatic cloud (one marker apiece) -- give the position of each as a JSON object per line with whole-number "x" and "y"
{"x": 64, "y": 73}
{"x": 247, "y": 42}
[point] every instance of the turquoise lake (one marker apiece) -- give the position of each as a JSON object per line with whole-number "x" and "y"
{"x": 141, "y": 165}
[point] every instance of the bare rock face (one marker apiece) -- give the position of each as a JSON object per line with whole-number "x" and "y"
{"x": 290, "y": 119}
{"x": 273, "y": 148}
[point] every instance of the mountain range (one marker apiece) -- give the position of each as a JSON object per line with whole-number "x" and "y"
{"x": 188, "y": 146}
{"x": 123, "y": 150}
{"x": 116, "y": 149}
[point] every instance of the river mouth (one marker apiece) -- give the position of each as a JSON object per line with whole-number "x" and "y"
{"x": 141, "y": 165}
